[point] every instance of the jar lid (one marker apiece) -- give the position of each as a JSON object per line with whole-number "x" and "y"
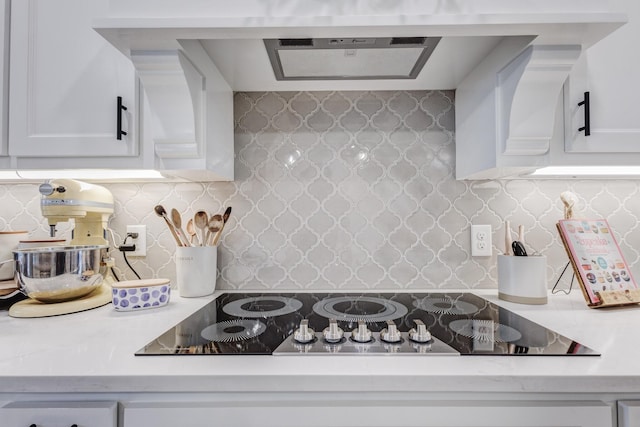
{"x": 143, "y": 283}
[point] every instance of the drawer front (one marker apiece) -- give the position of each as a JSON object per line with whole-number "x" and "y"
{"x": 59, "y": 414}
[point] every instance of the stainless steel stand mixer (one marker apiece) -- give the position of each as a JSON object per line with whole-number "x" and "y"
{"x": 75, "y": 277}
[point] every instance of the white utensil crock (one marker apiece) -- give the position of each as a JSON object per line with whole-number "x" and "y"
{"x": 522, "y": 279}
{"x": 196, "y": 270}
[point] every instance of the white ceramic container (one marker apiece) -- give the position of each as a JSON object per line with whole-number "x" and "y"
{"x": 522, "y": 279}
{"x": 130, "y": 295}
{"x": 196, "y": 270}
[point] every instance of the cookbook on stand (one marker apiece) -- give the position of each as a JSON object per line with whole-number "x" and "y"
{"x": 598, "y": 263}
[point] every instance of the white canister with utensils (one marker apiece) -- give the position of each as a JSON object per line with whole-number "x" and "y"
{"x": 196, "y": 270}
{"x": 522, "y": 279}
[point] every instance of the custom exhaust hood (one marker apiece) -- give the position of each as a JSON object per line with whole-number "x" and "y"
{"x": 506, "y": 59}
{"x": 349, "y": 58}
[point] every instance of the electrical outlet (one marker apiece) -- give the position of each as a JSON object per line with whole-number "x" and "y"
{"x": 481, "y": 240}
{"x": 140, "y": 241}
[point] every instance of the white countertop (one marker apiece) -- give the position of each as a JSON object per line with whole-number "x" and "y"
{"x": 93, "y": 351}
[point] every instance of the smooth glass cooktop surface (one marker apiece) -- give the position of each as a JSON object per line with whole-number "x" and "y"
{"x": 260, "y": 323}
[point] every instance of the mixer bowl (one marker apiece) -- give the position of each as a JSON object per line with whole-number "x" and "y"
{"x": 60, "y": 273}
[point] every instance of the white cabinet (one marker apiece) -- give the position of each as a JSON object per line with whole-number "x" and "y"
{"x": 368, "y": 413}
{"x": 530, "y": 135}
{"x": 65, "y": 80}
{"x": 609, "y": 72}
{"x": 4, "y": 74}
{"x": 75, "y": 101}
{"x": 59, "y": 414}
{"x": 629, "y": 413}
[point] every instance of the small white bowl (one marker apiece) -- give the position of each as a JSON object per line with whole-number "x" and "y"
{"x": 130, "y": 295}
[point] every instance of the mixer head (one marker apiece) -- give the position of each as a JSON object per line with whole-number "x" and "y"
{"x": 89, "y": 205}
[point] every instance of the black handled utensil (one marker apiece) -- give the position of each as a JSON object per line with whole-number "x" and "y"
{"x": 518, "y": 248}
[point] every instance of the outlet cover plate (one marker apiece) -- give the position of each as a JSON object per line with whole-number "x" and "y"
{"x": 481, "y": 244}
{"x": 140, "y": 241}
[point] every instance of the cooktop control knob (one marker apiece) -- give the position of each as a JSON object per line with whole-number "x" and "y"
{"x": 420, "y": 333}
{"x": 304, "y": 334}
{"x": 332, "y": 333}
{"x": 361, "y": 333}
{"x": 390, "y": 333}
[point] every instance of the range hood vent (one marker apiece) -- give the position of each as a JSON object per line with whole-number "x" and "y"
{"x": 349, "y": 58}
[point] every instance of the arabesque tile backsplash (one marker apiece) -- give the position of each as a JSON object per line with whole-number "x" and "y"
{"x": 350, "y": 190}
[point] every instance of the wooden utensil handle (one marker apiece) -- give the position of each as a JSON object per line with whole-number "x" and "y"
{"x": 173, "y": 231}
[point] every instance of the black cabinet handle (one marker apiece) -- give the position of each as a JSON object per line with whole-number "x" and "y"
{"x": 72, "y": 425}
{"x": 121, "y": 108}
{"x": 587, "y": 116}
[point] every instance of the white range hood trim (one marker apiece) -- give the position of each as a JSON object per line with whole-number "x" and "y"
{"x": 510, "y": 102}
{"x": 313, "y": 8}
{"x": 174, "y": 90}
{"x": 187, "y": 112}
{"x": 527, "y": 89}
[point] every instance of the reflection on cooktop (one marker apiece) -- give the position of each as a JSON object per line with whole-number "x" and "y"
{"x": 365, "y": 323}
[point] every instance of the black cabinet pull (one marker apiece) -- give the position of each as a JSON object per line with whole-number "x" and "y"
{"x": 587, "y": 116}
{"x": 121, "y": 108}
{"x": 72, "y": 425}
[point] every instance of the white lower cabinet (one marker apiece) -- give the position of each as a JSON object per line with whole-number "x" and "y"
{"x": 59, "y": 414}
{"x": 313, "y": 411}
{"x": 368, "y": 413}
{"x": 629, "y": 413}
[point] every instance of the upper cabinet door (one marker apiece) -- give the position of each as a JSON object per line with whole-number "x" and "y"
{"x": 65, "y": 80}
{"x": 4, "y": 74}
{"x": 609, "y": 71}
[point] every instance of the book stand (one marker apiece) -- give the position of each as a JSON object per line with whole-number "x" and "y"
{"x": 603, "y": 274}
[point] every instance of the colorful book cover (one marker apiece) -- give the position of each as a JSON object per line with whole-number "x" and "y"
{"x": 596, "y": 256}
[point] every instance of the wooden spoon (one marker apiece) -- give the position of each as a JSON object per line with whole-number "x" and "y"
{"x": 215, "y": 224}
{"x": 200, "y": 219}
{"x": 161, "y": 212}
{"x": 191, "y": 231}
{"x": 177, "y": 223}
{"x": 225, "y": 218}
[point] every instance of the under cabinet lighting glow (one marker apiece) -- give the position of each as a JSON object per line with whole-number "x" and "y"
{"x": 111, "y": 174}
{"x": 83, "y": 174}
{"x": 9, "y": 175}
{"x": 600, "y": 171}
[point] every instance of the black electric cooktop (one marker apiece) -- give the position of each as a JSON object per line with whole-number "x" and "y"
{"x": 362, "y": 324}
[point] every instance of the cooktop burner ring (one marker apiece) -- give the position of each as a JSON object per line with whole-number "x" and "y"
{"x": 392, "y": 309}
{"x": 445, "y": 306}
{"x": 235, "y": 308}
{"x": 241, "y": 330}
{"x": 485, "y": 330}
